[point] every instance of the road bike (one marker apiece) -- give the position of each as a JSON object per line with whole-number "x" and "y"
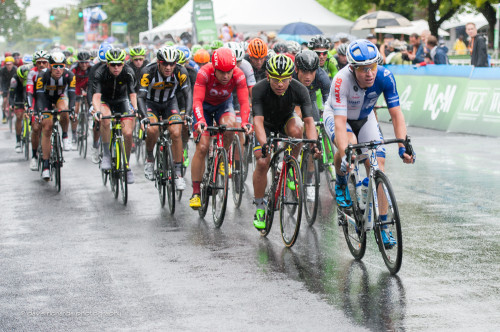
{"x": 309, "y": 167}
{"x": 378, "y": 211}
{"x": 248, "y": 156}
{"x": 83, "y": 128}
{"x": 284, "y": 188}
{"x": 138, "y": 142}
{"x": 26, "y": 136}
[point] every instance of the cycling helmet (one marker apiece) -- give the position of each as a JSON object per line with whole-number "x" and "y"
{"x": 57, "y": 57}
{"x": 83, "y": 55}
{"x": 280, "y": 65}
{"x": 27, "y": 58}
{"x": 182, "y": 58}
{"x": 16, "y": 54}
{"x": 70, "y": 50}
{"x": 8, "y": 54}
{"x": 362, "y": 52}
{"x": 201, "y": 56}
{"x": 257, "y": 48}
{"x": 270, "y": 53}
{"x": 9, "y": 59}
{"x": 115, "y": 55}
{"x": 223, "y": 59}
{"x": 293, "y": 46}
{"x": 237, "y": 49}
{"x": 22, "y": 71}
{"x": 103, "y": 48}
{"x": 307, "y": 60}
{"x": 318, "y": 41}
{"x": 195, "y": 48}
{"x": 186, "y": 54}
{"x": 342, "y": 49}
{"x": 216, "y": 44}
{"x": 169, "y": 43}
{"x": 207, "y": 47}
{"x": 137, "y": 51}
{"x": 168, "y": 54}
{"x": 280, "y": 47}
{"x": 93, "y": 54}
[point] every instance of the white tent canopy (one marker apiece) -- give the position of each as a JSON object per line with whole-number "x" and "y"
{"x": 460, "y": 19}
{"x": 416, "y": 27}
{"x": 254, "y": 16}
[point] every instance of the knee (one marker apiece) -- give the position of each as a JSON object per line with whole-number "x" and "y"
{"x": 296, "y": 131}
{"x": 202, "y": 148}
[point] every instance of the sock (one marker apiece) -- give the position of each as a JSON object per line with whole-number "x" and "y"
{"x": 341, "y": 180}
{"x": 383, "y": 217}
{"x": 65, "y": 134}
{"x": 150, "y": 156}
{"x": 34, "y": 152}
{"x": 96, "y": 145}
{"x": 259, "y": 202}
{"x": 18, "y": 138}
{"x": 45, "y": 164}
{"x": 178, "y": 171}
{"x": 196, "y": 187}
{"x": 105, "y": 149}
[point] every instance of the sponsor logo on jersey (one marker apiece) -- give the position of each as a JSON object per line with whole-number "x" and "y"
{"x": 145, "y": 80}
{"x": 338, "y": 83}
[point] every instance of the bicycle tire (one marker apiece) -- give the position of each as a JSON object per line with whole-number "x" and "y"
{"x": 310, "y": 181}
{"x": 26, "y": 138}
{"x": 204, "y": 194}
{"x": 392, "y": 255}
{"x": 247, "y": 157}
{"x": 328, "y": 166}
{"x": 114, "y": 175}
{"x": 79, "y": 132}
{"x": 269, "y": 195}
{"x": 85, "y": 131}
{"x": 354, "y": 231}
{"x": 104, "y": 173}
{"x": 236, "y": 172}
{"x": 159, "y": 175}
{"x": 169, "y": 177}
{"x": 220, "y": 188}
{"x": 57, "y": 162}
{"x": 10, "y": 120}
{"x": 290, "y": 202}
{"x": 122, "y": 173}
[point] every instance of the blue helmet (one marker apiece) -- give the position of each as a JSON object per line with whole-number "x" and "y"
{"x": 362, "y": 52}
{"x": 185, "y": 50}
{"x": 103, "y": 48}
{"x": 27, "y": 58}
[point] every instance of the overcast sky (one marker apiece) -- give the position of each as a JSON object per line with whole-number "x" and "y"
{"x": 41, "y": 8}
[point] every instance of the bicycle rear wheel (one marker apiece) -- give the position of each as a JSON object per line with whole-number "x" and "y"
{"x": 114, "y": 174}
{"x": 236, "y": 171}
{"x": 160, "y": 175}
{"x": 352, "y": 224}
{"x": 122, "y": 172}
{"x": 57, "y": 161}
{"x": 247, "y": 157}
{"x": 169, "y": 177}
{"x": 290, "y": 201}
{"x": 220, "y": 188}
{"x": 310, "y": 178}
{"x": 392, "y": 250}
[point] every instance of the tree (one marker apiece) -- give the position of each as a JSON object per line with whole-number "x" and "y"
{"x": 12, "y": 18}
{"x": 489, "y": 13}
{"x": 163, "y": 9}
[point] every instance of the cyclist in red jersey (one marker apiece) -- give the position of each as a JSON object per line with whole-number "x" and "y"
{"x": 81, "y": 70}
{"x": 212, "y": 100}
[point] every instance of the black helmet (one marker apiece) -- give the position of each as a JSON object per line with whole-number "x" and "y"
{"x": 280, "y": 47}
{"x": 318, "y": 42}
{"x": 307, "y": 60}
{"x": 83, "y": 55}
{"x": 342, "y": 49}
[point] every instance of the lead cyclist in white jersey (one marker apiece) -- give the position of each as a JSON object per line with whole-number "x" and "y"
{"x": 349, "y": 116}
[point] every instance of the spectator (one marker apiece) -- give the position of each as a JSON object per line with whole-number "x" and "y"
{"x": 416, "y": 50}
{"x": 384, "y": 48}
{"x": 400, "y": 54}
{"x": 459, "y": 47}
{"x": 226, "y": 33}
{"x": 374, "y": 40}
{"x": 438, "y": 53}
{"x": 477, "y": 47}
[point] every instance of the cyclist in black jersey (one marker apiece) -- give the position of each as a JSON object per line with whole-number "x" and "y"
{"x": 137, "y": 62}
{"x": 257, "y": 56}
{"x": 273, "y": 107}
{"x": 113, "y": 86}
{"x": 17, "y": 98}
{"x": 158, "y": 86}
{"x": 54, "y": 89}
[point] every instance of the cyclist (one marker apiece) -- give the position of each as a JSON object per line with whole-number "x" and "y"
{"x": 6, "y": 74}
{"x": 113, "y": 91}
{"x": 349, "y": 116}
{"x": 55, "y": 89}
{"x": 137, "y": 62}
{"x": 273, "y": 107}
{"x": 41, "y": 62}
{"x": 321, "y": 45}
{"x": 159, "y": 82}
{"x": 201, "y": 57}
{"x": 341, "y": 55}
{"x": 212, "y": 100}
{"x": 257, "y": 56}
{"x": 17, "y": 97}
{"x": 81, "y": 70}
{"x": 18, "y": 60}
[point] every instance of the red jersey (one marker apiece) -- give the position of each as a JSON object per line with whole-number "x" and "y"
{"x": 82, "y": 79}
{"x": 208, "y": 89}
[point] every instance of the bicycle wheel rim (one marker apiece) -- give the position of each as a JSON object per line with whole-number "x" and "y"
{"x": 352, "y": 225}
{"x": 57, "y": 163}
{"x": 392, "y": 255}
{"x": 123, "y": 173}
{"x": 310, "y": 178}
{"x": 290, "y": 202}
{"x": 220, "y": 188}
{"x": 236, "y": 171}
{"x": 269, "y": 197}
{"x": 169, "y": 173}
{"x": 159, "y": 176}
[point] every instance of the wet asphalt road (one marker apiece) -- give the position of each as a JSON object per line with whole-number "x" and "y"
{"x": 80, "y": 260}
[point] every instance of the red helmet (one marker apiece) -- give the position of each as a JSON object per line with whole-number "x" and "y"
{"x": 223, "y": 59}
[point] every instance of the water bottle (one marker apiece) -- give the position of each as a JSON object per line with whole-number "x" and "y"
{"x": 364, "y": 191}
{"x": 358, "y": 195}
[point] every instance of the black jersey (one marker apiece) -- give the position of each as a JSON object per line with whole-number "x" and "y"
{"x": 277, "y": 109}
{"x": 48, "y": 89}
{"x": 90, "y": 87}
{"x": 137, "y": 72}
{"x": 259, "y": 74}
{"x": 5, "y": 77}
{"x": 17, "y": 95}
{"x": 113, "y": 88}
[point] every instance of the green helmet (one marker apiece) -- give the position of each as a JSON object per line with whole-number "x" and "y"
{"x": 137, "y": 51}
{"x": 195, "y": 48}
{"x": 70, "y": 50}
{"x": 22, "y": 71}
{"x": 207, "y": 47}
{"x": 280, "y": 65}
{"x": 216, "y": 44}
{"x": 115, "y": 55}
{"x": 169, "y": 43}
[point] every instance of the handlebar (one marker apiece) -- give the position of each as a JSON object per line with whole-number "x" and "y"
{"x": 218, "y": 129}
{"x": 118, "y": 116}
{"x": 375, "y": 144}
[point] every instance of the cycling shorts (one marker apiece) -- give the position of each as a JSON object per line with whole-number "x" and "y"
{"x": 167, "y": 111}
{"x": 122, "y": 106}
{"x": 277, "y": 129}
{"x": 213, "y": 113}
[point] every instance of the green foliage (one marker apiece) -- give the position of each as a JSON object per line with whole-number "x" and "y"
{"x": 163, "y": 9}
{"x": 12, "y": 18}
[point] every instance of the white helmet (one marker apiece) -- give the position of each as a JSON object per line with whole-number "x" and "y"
{"x": 237, "y": 49}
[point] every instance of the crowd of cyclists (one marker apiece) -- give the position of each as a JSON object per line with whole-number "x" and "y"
{"x": 280, "y": 88}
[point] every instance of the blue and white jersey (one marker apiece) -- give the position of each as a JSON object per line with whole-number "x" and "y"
{"x": 348, "y": 99}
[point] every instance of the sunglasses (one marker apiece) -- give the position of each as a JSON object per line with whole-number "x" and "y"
{"x": 366, "y": 69}
{"x": 164, "y": 63}
{"x": 138, "y": 59}
{"x": 42, "y": 62}
{"x": 277, "y": 80}
{"x": 321, "y": 52}
{"x": 58, "y": 66}
{"x": 116, "y": 64}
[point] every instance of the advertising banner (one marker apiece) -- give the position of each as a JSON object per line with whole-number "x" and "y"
{"x": 203, "y": 16}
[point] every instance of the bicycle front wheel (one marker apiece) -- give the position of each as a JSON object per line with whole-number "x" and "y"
{"x": 290, "y": 201}
{"x": 310, "y": 176}
{"x": 219, "y": 190}
{"x": 352, "y": 225}
{"x": 236, "y": 171}
{"x": 114, "y": 173}
{"x": 247, "y": 157}
{"x": 160, "y": 175}
{"x": 388, "y": 226}
{"x": 26, "y": 138}
{"x": 270, "y": 195}
{"x": 122, "y": 172}
{"x": 57, "y": 161}
{"x": 169, "y": 176}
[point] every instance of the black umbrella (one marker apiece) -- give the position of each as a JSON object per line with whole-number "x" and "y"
{"x": 380, "y": 19}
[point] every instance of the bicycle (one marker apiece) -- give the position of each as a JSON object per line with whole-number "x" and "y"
{"x": 83, "y": 128}
{"x": 185, "y": 153}
{"x": 284, "y": 189}
{"x": 26, "y": 136}
{"x": 248, "y": 156}
{"x": 327, "y": 161}
{"x": 165, "y": 165}
{"x": 56, "y": 158}
{"x": 119, "y": 162}
{"x": 138, "y": 142}
{"x": 309, "y": 168}
{"x": 380, "y": 211}
{"x": 214, "y": 182}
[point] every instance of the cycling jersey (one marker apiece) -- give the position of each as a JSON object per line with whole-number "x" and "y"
{"x": 82, "y": 78}
{"x": 208, "y": 89}
{"x": 17, "y": 93}
{"x": 275, "y": 109}
{"x": 259, "y": 74}
{"x": 156, "y": 88}
{"x": 330, "y": 66}
{"x": 322, "y": 83}
{"x": 30, "y": 86}
{"x": 49, "y": 90}
{"x": 137, "y": 71}
{"x": 5, "y": 77}
{"x": 113, "y": 88}
{"x": 180, "y": 95}
{"x": 247, "y": 69}
{"x": 90, "y": 84}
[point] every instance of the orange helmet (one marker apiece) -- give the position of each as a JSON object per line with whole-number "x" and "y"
{"x": 257, "y": 48}
{"x": 201, "y": 56}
